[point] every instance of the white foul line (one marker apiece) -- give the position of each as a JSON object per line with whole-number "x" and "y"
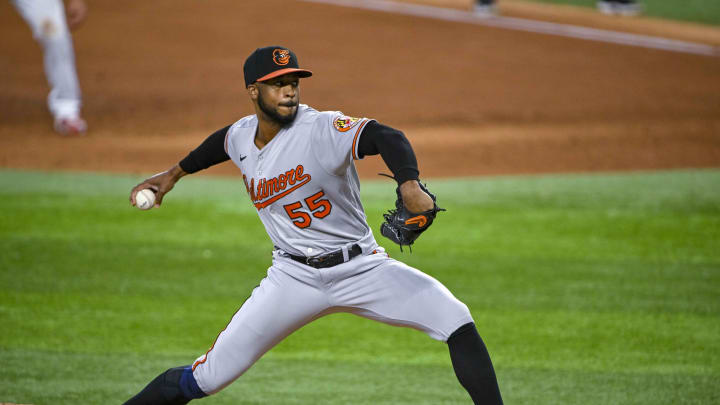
{"x": 522, "y": 24}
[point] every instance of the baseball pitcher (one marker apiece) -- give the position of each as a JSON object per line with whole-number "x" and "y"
{"x": 298, "y": 168}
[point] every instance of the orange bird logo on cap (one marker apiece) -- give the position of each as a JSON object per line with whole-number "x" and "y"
{"x": 281, "y": 56}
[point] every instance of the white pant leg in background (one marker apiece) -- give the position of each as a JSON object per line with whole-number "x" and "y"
{"x": 46, "y": 19}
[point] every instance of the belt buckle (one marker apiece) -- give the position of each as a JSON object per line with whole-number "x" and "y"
{"x": 313, "y": 261}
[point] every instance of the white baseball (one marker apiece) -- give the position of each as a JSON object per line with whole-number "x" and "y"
{"x": 145, "y": 199}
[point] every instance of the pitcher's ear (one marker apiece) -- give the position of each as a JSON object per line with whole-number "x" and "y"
{"x": 253, "y": 91}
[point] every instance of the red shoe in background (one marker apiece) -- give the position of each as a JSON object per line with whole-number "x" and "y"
{"x": 70, "y": 126}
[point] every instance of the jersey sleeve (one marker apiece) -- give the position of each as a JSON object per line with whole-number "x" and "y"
{"x": 233, "y": 141}
{"x": 336, "y": 137}
{"x": 230, "y": 143}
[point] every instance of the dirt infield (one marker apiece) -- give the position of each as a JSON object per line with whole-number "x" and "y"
{"x": 159, "y": 76}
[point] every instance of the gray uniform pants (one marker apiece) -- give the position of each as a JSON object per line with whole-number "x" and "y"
{"x": 292, "y": 295}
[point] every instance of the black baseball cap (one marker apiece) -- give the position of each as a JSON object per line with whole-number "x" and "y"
{"x": 269, "y": 62}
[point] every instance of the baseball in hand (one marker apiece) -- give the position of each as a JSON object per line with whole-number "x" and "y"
{"x": 145, "y": 199}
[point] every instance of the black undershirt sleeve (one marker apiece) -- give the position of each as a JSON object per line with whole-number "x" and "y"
{"x": 394, "y": 148}
{"x": 209, "y": 153}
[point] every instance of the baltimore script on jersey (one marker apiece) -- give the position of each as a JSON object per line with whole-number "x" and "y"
{"x": 276, "y": 185}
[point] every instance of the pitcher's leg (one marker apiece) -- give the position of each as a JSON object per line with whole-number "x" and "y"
{"x": 400, "y": 295}
{"x": 278, "y": 306}
{"x": 397, "y": 294}
{"x": 175, "y": 386}
{"x": 473, "y": 367}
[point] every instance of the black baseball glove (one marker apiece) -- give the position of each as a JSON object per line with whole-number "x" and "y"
{"x": 402, "y": 226}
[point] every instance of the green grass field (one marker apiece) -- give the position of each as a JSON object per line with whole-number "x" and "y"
{"x": 702, "y": 11}
{"x": 588, "y": 289}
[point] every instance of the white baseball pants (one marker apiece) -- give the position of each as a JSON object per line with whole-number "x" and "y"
{"x": 46, "y": 19}
{"x": 292, "y": 295}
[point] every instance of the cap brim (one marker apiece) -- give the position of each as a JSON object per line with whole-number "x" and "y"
{"x": 300, "y": 72}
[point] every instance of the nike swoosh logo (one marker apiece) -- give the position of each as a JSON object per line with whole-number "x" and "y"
{"x": 242, "y": 158}
{"x": 420, "y": 220}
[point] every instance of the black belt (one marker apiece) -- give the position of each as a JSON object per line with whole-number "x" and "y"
{"x": 328, "y": 260}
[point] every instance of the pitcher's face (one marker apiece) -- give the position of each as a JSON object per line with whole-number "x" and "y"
{"x": 278, "y": 98}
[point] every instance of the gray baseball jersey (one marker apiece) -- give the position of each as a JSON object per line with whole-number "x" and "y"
{"x": 307, "y": 194}
{"x": 303, "y": 183}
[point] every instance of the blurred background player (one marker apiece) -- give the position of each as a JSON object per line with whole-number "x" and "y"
{"x": 485, "y": 8}
{"x": 619, "y": 7}
{"x": 47, "y": 20}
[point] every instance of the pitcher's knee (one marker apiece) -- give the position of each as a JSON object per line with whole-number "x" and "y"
{"x": 444, "y": 315}
{"x": 459, "y": 316}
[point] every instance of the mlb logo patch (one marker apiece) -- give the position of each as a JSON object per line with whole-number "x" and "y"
{"x": 344, "y": 124}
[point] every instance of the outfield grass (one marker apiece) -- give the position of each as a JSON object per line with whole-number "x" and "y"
{"x": 588, "y": 289}
{"x": 702, "y": 11}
